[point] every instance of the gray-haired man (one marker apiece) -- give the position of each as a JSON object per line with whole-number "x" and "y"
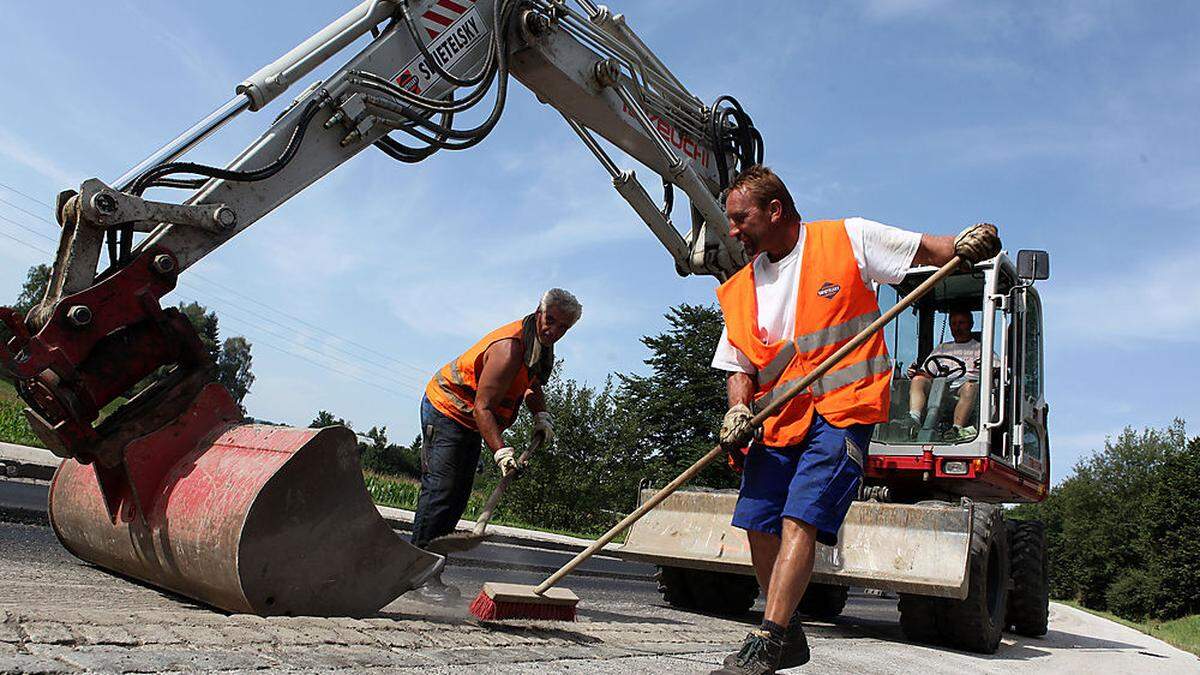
{"x": 476, "y": 397}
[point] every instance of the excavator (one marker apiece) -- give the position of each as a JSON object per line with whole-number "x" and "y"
{"x": 176, "y": 489}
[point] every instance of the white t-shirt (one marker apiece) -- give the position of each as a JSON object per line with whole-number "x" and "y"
{"x": 883, "y": 253}
{"x": 968, "y": 352}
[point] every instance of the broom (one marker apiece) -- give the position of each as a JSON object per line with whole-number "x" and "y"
{"x": 465, "y": 541}
{"x": 516, "y": 601}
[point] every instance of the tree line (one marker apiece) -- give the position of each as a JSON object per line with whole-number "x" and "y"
{"x": 231, "y": 357}
{"x": 629, "y": 431}
{"x": 1122, "y": 531}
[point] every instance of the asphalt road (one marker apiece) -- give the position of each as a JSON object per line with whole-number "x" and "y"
{"x": 20, "y": 501}
{"x": 61, "y": 610}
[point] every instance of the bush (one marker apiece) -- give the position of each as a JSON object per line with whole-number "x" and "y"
{"x": 1121, "y": 531}
{"x": 1134, "y": 595}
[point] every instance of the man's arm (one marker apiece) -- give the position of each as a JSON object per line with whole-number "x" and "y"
{"x": 535, "y": 399}
{"x": 501, "y": 362}
{"x": 739, "y": 388}
{"x": 934, "y": 250}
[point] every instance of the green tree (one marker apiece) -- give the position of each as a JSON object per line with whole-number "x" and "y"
{"x": 233, "y": 367}
{"x": 679, "y": 405}
{"x": 32, "y": 290}
{"x": 588, "y": 479}
{"x": 325, "y": 418}
{"x": 1121, "y": 530}
{"x": 1174, "y": 534}
{"x": 206, "y": 325}
{"x": 36, "y": 280}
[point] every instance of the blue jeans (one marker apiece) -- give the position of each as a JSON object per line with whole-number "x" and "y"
{"x": 449, "y": 455}
{"x": 814, "y": 481}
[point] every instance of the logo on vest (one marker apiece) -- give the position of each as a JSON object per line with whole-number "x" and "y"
{"x": 828, "y": 290}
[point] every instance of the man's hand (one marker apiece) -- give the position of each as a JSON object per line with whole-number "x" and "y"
{"x": 735, "y": 428}
{"x": 506, "y": 461}
{"x": 543, "y": 425}
{"x": 977, "y": 243}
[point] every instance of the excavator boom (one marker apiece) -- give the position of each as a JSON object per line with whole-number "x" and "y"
{"x": 174, "y": 488}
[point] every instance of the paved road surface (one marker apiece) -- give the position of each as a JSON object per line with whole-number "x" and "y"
{"x": 61, "y": 615}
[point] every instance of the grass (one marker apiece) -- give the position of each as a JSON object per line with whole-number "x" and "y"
{"x": 1183, "y": 633}
{"x": 392, "y": 491}
{"x": 13, "y": 426}
{"x": 401, "y": 493}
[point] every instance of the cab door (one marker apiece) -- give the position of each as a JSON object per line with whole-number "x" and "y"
{"x": 1030, "y": 438}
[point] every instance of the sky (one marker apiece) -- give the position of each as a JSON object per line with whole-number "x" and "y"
{"x": 1070, "y": 124}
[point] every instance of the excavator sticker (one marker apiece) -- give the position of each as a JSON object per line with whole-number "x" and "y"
{"x": 447, "y": 47}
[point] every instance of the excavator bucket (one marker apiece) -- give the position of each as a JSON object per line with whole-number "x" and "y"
{"x": 248, "y": 518}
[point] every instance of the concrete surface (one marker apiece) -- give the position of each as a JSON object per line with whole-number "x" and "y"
{"x": 60, "y": 615}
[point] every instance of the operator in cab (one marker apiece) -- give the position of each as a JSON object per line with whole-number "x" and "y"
{"x": 475, "y": 398}
{"x": 959, "y": 360}
{"x": 808, "y": 290}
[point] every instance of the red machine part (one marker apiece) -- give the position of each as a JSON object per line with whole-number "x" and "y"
{"x": 988, "y": 476}
{"x": 248, "y": 518}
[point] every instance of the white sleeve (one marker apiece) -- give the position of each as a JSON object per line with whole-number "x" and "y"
{"x": 730, "y": 358}
{"x": 884, "y": 253}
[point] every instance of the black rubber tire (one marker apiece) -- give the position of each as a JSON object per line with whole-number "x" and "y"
{"x": 918, "y": 617}
{"x": 1029, "y": 600}
{"x": 673, "y": 585}
{"x": 711, "y": 592}
{"x": 976, "y": 622}
{"x": 823, "y": 601}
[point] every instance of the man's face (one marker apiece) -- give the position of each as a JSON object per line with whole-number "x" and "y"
{"x": 961, "y": 324}
{"x": 552, "y": 324}
{"x": 755, "y": 227}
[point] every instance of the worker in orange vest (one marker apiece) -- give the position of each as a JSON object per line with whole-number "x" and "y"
{"x": 475, "y": 398}
{"x": 809, "y": 289}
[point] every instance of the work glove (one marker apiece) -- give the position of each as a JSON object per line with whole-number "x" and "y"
{"x": 977, "y": 243}
{"x": 735, "y": 428}
{"x": 543, "y": 425}
{"x": 506, "y": 460}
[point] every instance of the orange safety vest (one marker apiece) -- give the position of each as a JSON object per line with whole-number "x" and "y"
{"x": 452, "y": 389}
{"x": 832, "y": 306}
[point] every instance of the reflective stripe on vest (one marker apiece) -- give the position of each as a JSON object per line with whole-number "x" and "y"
{"x": 826, "y": 337}
{"x": 834, "y": 379}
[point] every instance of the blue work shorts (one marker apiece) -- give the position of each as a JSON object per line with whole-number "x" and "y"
{"x": 813, "y": 481}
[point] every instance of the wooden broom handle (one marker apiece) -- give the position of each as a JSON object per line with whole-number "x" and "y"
{"x": 485, "y": 516}
{"x": 789, "y": 393}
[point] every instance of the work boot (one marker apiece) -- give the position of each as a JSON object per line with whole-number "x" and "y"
{"x": 436, "y": 592}
{"x": 795, "y": 646}
{"x": 759, "y": 655}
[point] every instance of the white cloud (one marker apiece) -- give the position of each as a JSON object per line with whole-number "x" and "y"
{"x": 1139, "y": 305}
{"x": 21, "y": 152}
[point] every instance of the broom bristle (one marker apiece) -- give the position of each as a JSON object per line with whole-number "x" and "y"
{"x": 488, "y": 609}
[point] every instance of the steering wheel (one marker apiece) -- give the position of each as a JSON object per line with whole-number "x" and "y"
{"x": 944, "y": 365}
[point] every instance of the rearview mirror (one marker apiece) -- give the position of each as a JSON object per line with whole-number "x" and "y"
{"x": 1033, "y": 265}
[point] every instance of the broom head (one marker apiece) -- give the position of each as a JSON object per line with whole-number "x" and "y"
{"x": 514, "y": 601}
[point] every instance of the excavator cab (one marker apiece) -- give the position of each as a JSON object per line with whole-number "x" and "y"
{"x": 967, "y": 414}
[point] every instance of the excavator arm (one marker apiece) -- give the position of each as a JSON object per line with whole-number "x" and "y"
{"x": 97, "y": 334}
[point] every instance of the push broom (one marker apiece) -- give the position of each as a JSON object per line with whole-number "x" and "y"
{"x": 464, "y": 541}
{"x": 515, "y": 601}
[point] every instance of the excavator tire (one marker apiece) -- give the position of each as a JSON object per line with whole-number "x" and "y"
{"x": 918, "y": 617}
{"x": 824, "y": 601}
{"x": 976, "y": 622}
{"x": 673, "y": 585}
{"x": 704, "y": 591}
{"x": 1029, "y": 600}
